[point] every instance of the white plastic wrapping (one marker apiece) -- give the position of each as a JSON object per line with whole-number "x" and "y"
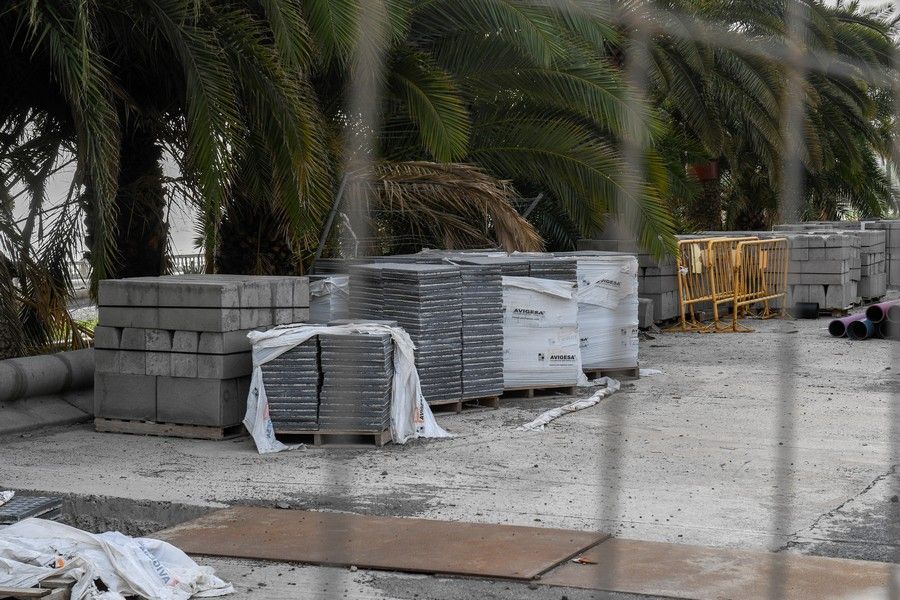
{"x": 544, "y": 419}
{"x": 540, "y": 333}
{"x": 34, "y": 549}
{"x": 329, "y": 299}
{"x": 608, "y": 311}
{"x": 411, "y": 417}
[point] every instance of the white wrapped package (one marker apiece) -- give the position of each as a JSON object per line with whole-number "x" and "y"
{"x": 328, "y": 299}
{"x": 411, "y": 417}
{"x": 608, "y": 310}
{"x": 540, "y": 334}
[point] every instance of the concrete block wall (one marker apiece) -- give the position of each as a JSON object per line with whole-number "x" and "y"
{"x": 174, "y": 349}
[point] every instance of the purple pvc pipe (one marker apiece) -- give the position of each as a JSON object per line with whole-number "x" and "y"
{"x": 878, "y": 312}
{"x": 838, "y": 327}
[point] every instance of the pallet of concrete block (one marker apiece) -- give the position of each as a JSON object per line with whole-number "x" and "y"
{"x": 607, "y": 294}
{"x": 171, "y": 353}
{"x": 873, "y": 276}
{"x": 541, "y": 345}
{"x": 824, "y": 269}
{"x": 891, "y": 229}
{"x": 657, "y": 278}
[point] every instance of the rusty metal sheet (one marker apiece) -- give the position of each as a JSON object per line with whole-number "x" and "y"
{"x": 413, "y": 545}
{"x": 695, "y": 572}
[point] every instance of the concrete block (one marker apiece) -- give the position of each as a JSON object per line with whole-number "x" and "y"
{"x": 822, "y": 278}
{"x": 256, "y": 293}
{"x": 184, "y": 365}
{"x": 815, "y": 254}
{"x": 799, "y": 293}
{"x": 107, "y": 337}
{"x": 194, "y": 401}
{"x": 118, "y": 396}
{"x": 129, "y": 316}
{"x": 300, "y": 293}
{"x": 301, "y": 315}
{"x": 206, "y": 292}
{"x": 842, "y": 253}
{"x": 224, "y": 343}
{"x": 282, "y": 316}
{"x": 120, "y": 361}
{"x": 838, "y": 296}
{"x": 133, "y": 339}
{"x": 645, "y": 313}
{"x": 815, "y": 241}
{"x": 224, "y": 366}
{"x": 185, "y": 341}
{"x": 159, "y": 363}
{"x": 158, "y": 340}
{"x": 825, "y": 266}
{"x": 251, "y": 318}
{"x": 200, "y": 319}
{"x": 799, "y": 254}
{"x": 816, "y": 293}
{"x": 135, "y": 291}
{"x": 106, "y": 361}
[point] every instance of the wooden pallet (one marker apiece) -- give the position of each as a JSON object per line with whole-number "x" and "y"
{"x": 335, "y": 438}
{"x": 621, "y": 373}
{"x": 52, "y": 588}
{"x": 196, "y": 432}
{"x": 531, "y": 392}
{"x": 457, "y": 406}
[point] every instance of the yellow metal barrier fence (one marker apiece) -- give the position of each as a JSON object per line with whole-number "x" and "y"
{"x": 706, "y": 276}
{"x": 760, "y": 276}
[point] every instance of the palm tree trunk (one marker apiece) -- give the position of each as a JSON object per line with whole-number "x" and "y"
{"x": 142, "y": 232}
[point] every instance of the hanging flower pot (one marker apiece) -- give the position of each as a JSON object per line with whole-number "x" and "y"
{"x": 708, "y": 171}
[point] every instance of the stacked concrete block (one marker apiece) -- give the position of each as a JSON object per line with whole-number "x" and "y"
{"x": 891, "y": 231}
{"x": 824, "y": 269}
{"x": 657, "y": 279}
{"x": 357, "y": 375}
{"x": 292, "y": 387}
{"x": 174, "y": 349}
{"x": 873, "y": 276}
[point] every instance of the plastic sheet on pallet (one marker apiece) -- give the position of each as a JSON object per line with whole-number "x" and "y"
{"x": 540, "y": 334}
{"x": 608, "y": 311}
{"x": 329, "y": 298}
{"x": 411, "y": 416}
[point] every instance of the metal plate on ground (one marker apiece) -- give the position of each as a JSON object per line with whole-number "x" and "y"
{"x": 682, "y": 571}
{"x": 390, "y": 543}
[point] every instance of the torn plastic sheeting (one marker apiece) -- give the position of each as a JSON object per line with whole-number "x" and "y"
{"x": 6, "y": 497}
{"x": 411, "y": 416}
{"x": 612, "y": 386}
{"x": 34, "y": 549}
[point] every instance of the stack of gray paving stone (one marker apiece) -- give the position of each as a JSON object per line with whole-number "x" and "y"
{"x": 550, "y": 267}
{"x": 482, "y": 331}
{"x": 292, "y": 388}
{"x": 357, "y": 374}
{"x": 510, "y": 266}
{"x": 657, "y": 279}
{"x": 174, "y": 349}
{"x": 366, "y": 291}
{"x": 426, "y": 301}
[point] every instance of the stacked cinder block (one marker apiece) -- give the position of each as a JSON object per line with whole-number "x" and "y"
{"x": 824, "y": 269}
{"x": 174, "y": 349}
{"x": 657, "y": 280}
{"x": 891, "y": 231}
{"x": 873, "y": 277}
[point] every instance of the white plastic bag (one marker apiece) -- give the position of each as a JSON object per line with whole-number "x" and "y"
{"x": 411, "y": 416}
{"x": 612, "y": 386}
{"x": 34, "y": 549}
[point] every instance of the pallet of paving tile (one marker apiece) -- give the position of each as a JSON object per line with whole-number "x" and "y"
{"x": 531, "y": 392}
{"x": 457, "y": 406}
{"x": 335, "y": 438}
{"x": 195, "y": 432}
{"x": 617, "y": 373}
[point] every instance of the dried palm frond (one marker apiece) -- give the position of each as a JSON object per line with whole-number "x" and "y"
{"x": 448, "y": 205}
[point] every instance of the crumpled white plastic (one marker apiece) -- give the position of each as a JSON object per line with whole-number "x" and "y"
{"x": 34, "y": 549}
{"x": 411, "y": 417}
{"x": 6, "y": 497}
{"x": 612, "y": 386}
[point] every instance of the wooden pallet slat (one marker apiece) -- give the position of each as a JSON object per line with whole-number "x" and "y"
{"x": 616, "y": 373}
{"x": 336, "y": 438}
{"x": 457, "y": 406}
{"x": 198, "y": 432}
{"x": 531, "y": 392}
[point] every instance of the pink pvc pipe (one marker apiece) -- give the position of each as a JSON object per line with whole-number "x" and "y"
{"x": 838, "y": 327}
{"x": 878, "y": 312}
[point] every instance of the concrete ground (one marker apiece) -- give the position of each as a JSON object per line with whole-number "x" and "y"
{"x": 687, "y": 456}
